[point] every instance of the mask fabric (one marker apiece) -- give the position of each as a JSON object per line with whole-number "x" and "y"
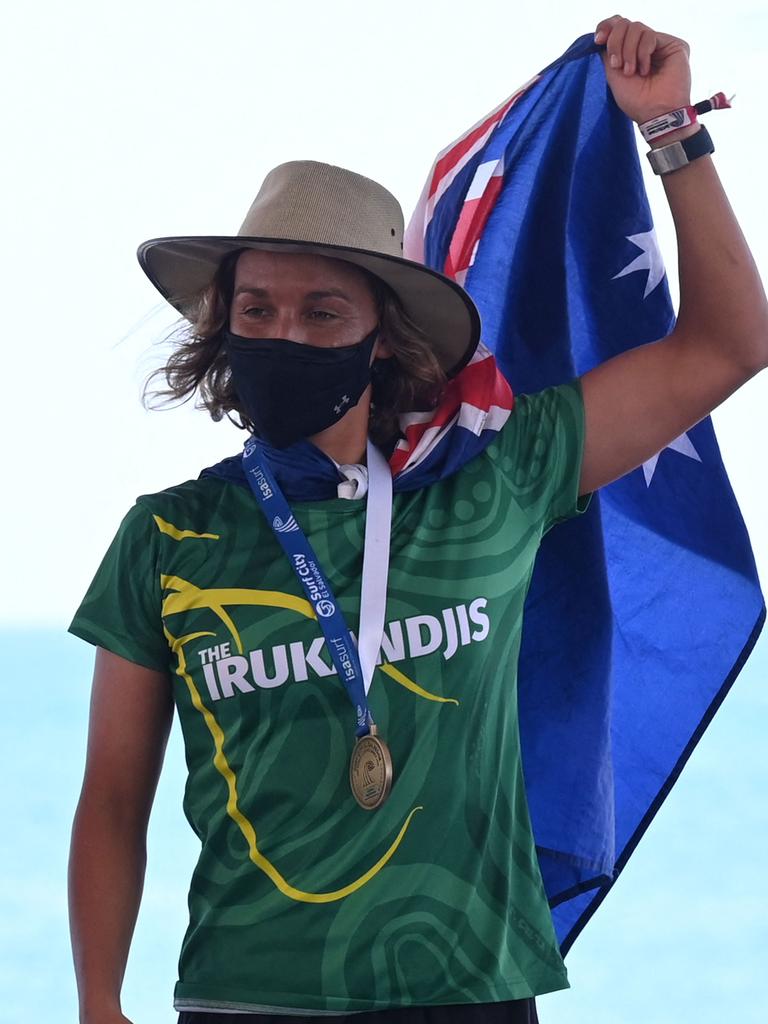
{"x": 292, "y": 391}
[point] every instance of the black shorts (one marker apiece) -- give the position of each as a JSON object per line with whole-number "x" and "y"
{"x": 520, "y": 1011}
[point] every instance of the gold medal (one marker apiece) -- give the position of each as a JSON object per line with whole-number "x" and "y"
{"x": 370, "y": 771}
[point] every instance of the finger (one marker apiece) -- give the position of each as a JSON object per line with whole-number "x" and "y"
{"x": 615, "y": 43}
{"x": 645, "y": 51}
{"x": 630, "y": 46}
{"x": 603, "y": 30}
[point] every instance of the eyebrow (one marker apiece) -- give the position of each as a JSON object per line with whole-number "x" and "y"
{"x": 263, "y": 293}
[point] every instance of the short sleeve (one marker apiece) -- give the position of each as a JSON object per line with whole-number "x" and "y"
{"x": 542, "y": 445}
{"x": 121, "y": 610}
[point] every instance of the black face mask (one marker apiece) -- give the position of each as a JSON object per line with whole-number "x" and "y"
{"x": 291, "y": 391}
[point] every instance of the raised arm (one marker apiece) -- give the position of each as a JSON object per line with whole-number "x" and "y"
{"x": 640, "y": 401}
{"x": 131, "y": 714}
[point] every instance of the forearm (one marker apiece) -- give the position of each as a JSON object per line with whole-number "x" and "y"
{"x": 722, "y": 300}
{"x": 722, "y": 303}
{"x": 106, "y": 875}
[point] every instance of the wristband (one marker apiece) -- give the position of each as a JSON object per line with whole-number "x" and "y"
{"x": 681, "y": 118}
{"x": 665, "y": 123}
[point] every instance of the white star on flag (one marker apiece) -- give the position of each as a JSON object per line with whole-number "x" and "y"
{"x": 650, "y": 259}
{"x": 682, "y": 444}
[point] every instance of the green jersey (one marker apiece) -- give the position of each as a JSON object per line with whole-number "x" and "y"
{"x": 302, "y": 901}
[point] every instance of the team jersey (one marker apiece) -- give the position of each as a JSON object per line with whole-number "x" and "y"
{"x": 302, "y": 901}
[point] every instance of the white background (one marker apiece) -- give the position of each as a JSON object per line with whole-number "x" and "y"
{"x": 124, "y": 122}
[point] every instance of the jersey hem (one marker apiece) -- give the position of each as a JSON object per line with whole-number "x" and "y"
{"x": 187, "y": 998}
{"x": 215, "y": 1006}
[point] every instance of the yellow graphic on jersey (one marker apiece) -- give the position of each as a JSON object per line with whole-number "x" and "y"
{"x": 177, "y": 534}
{"x": 233, "y": 809}
{"x": 186, "y": 596}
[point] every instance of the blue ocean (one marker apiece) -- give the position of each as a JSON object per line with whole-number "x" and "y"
{"x": 683, "y": 935}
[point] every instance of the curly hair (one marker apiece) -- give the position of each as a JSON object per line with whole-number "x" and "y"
{"x": 411, "y": 380}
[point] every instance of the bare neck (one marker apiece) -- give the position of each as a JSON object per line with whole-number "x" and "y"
{"x": 345, "y": 441}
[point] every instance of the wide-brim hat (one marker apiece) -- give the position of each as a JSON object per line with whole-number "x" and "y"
{"x": 309, "y": 207}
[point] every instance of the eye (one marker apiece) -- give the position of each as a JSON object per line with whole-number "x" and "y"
{"x": 254, "y": 311}
{"x": 322, "y": 314}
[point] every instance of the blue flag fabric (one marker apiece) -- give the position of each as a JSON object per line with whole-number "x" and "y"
{"x": 642, "y": 612}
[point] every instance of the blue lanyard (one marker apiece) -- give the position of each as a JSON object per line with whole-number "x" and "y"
{"x": 298, "y": 550}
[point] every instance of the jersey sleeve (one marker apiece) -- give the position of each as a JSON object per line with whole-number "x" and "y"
{"x": 543, "y": 447}
{"x": 121, "y": 610}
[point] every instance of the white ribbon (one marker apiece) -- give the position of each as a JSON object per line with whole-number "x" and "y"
{"x": 373, "y": 592}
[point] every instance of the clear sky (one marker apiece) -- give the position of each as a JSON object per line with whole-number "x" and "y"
{"x": 128, "y": 121}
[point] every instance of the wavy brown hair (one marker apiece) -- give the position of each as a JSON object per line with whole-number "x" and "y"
{"x": 410, "y": 381}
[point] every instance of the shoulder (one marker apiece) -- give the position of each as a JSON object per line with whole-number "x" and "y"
{"x": 541, "y": 419}
{"x": 192, "y": 506}
{"x": 560, "y": 402}
{"x": 539, "y": 452}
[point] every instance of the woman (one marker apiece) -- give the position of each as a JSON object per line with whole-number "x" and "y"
{"x": 365, "y": 853}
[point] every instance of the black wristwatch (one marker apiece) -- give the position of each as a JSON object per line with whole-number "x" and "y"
{"x": 678, "y": 154}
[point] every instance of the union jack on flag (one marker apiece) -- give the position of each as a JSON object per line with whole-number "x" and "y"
{"x": 539, "y": 210}
{"x": 474, "y": 407}
{"x": 478, "y": 201}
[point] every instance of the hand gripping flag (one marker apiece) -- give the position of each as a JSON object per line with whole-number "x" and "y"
{"x": 642, "y": 612}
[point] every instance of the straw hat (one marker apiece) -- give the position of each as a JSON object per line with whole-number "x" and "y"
{"x": 310, "y": 207}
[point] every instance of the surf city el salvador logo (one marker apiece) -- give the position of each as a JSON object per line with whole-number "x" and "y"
{"x": 227, "y": 674}
{"x": 312, "y": 580}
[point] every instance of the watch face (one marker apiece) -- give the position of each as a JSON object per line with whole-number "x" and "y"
{"x": 678, "y": 154}
{"x": 668, "y": 158}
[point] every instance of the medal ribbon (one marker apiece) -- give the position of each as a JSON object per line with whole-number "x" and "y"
{"x": 355, "y": 666}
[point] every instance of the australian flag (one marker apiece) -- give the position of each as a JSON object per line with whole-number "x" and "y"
{"x": 642, "y": 612}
